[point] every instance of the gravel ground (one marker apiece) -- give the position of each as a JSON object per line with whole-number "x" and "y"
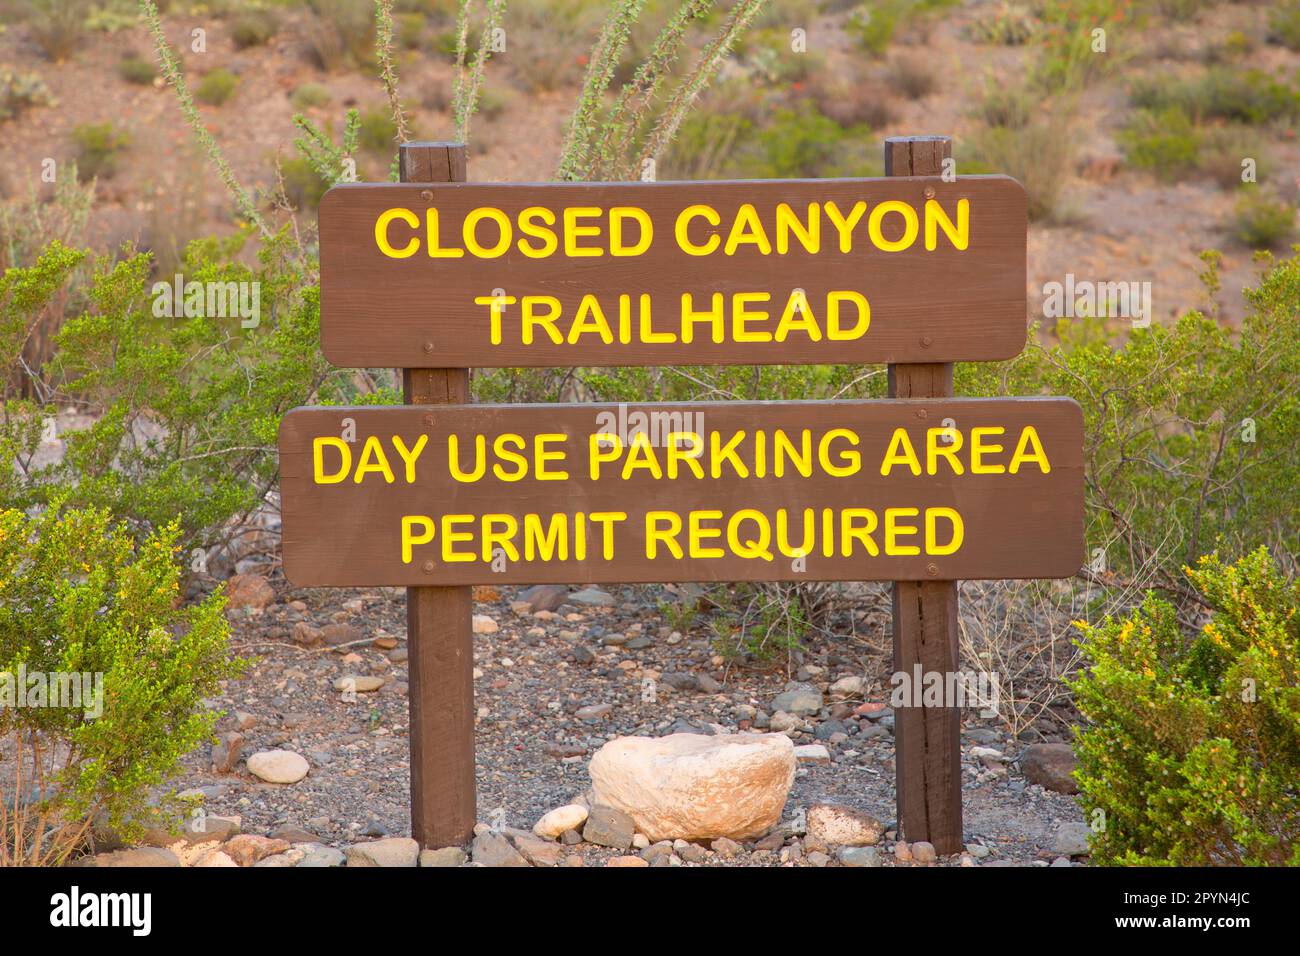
{"x": 551, "y": 687}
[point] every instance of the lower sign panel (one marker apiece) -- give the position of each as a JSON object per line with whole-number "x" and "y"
{"x": 897, "y": 490}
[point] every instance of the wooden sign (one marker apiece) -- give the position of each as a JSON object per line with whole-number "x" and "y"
{"x": 457, "y": 275}
{"x": 737, "y": 491}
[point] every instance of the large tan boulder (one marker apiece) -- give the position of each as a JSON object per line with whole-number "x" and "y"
{"x": 696, "y": 787}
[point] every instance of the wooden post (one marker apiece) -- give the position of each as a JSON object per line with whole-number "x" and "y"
{"x": 927, "y": 740}
{"x": 439, "y": 636}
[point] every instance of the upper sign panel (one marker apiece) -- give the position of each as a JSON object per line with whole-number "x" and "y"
{"x": 773, "y": 272}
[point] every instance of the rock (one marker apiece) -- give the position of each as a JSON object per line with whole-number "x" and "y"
{"x": 278, "y": 766}
{"x": 214, "y": 860}
{"x": 632, "y": 861}
{"x": 593, "y": 712}
{"x": 493, "y": 849}
{"x": 683, "y": 726}
{"x": 1050, "y": 766}
{"x": 208, "y": 826}
{"x": 295, "y": 835}
{"x": 592, "y": 597}
{"x": 818, "y": 858}
{"x": 138, "y": 856}
{"x": 247, "y": 848}
{"x": 680, "y": 681}
{"x": 249, "y": 591}
{"x": 773, "y": 841}
{"x": 571, "y": 837}
{"x": 609, "y": 826}
{"x": 726, "y": 849}
{"x": 849, "y": 688}
{"x": 924, "y": 852}
{"x": 693, "y": 787}
{"x": 336, "y": 634}
{"x": 902, "y": 852}
{"x": 391, "y": 852}
{"x": 837, "y": 825}
{"x": 856, "y": 856}
{"x": 227, "y": 752}
{"x": 288, "y": 858}
{"x": 708, "y": 685}
{"x": 537, "y": 851}
{"x": 543, "y": 597}
{"x": 446, "y": 856}
{"x": 316, "y": 855}
{"x": 306, "y": 635}
{"x": 658, "y": 854}
{"x": 360, "y": 683}
{"x": 1062, "y": 861}
{"x": 553, "y": 824}
{"x": 802, "y": 700}
{"x": 1072, "y": 839}
{"x": 830, "y": 728}
{"x": 782, "y": 722}
{"x": 812, "y": 753}
{"x": 485, "y": 625}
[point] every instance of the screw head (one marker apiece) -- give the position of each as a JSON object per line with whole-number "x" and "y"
{"x": 929, "y": 192}
{"x": 427, "y": 567}
{"x": 426, "y": 195}
{"x": 428, "y": 346}
{"x": 926, "y": 341}
{"x": 427, "y": 419}
{"x": 932, "y": 570}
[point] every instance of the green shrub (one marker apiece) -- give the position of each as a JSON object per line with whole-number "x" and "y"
{"x": 98, "y": 148}
{"x": 378, "y": 131}
{"x": 79, "y": 596}
{"x": 1007, "y": 106}
{"x": 20, "y": 92}
{"x": 137, "y": 70}
{"x": 1222, "y": 93}
{"x": 253, "y": 28}
{"x": 1164, "y": 142}
{"x": 1191, "y": 751}
{"x": 803, "y": 144}
{"x": 410, "y": 29}
{"x": 1068, "y": 59}
{"x": 1040, "y": 154}
{"x": 311, "y": 95}
{"x": 872, "y": 26}
{"x": 1284, "y": 25}
{"x": 1193, "y": 428}
{"x": 1223, "y": 148}
{"x": 342, "y": 33}
{"x": 1262, "y": 219}
{"x": 912, "y": 78}
{"x": 1010, "y": 25}
{"x": 57, "y": 25}
{"x": 216, "y": 87}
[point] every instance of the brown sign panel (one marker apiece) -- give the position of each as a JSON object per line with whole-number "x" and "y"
{"x": 459, "y": 275}
{"x": 924, "y": 489}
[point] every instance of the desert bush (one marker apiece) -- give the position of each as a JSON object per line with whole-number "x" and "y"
{"x": 912, "y": 78}
{"x": 378, "y": 132}
{"x": 1191, "y": 749}
{"x": 1221, "y": 93}
{"x": 99, "y": 147}
{"x": 1262, "y": 219}
{"x": 20, "y": 92}
{"x": 311, "y": 96}
{"x": 1009, "y": 25}
{"x": 79, "y": 596}
{"x": 216, "y": 87}
{"x": 1068, "y": 60}
{"x": 872, "y": 26}
{"x": 1192, "y": 429}
{"x": 1008, "y": 106}
{"x": 137, "y": 70}
{"x": 341, "y": 35}
{"x": 253, "y": 28}
{"x": 1039, "y": 154}
{"x": 57, "y": 25}
{"x": 1165, "y": 142}
{"x": 1284, "y": 25}
{"x": 1223, "y": 148}
{"x": 410, "y": 30}
{"x": 545, "y": 40}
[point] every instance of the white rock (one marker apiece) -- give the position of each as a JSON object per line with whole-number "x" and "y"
{"x": 568, "y": 817}
{"x": 359, "y": 683}
{"x": 696, "y": 787}
{"x": 278, "y": 766}
{"x": 812, "y": 753}
{"x": 847, "y": 688}
{"x": 485, "y": 625}
{"x": 843, "y": 826}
